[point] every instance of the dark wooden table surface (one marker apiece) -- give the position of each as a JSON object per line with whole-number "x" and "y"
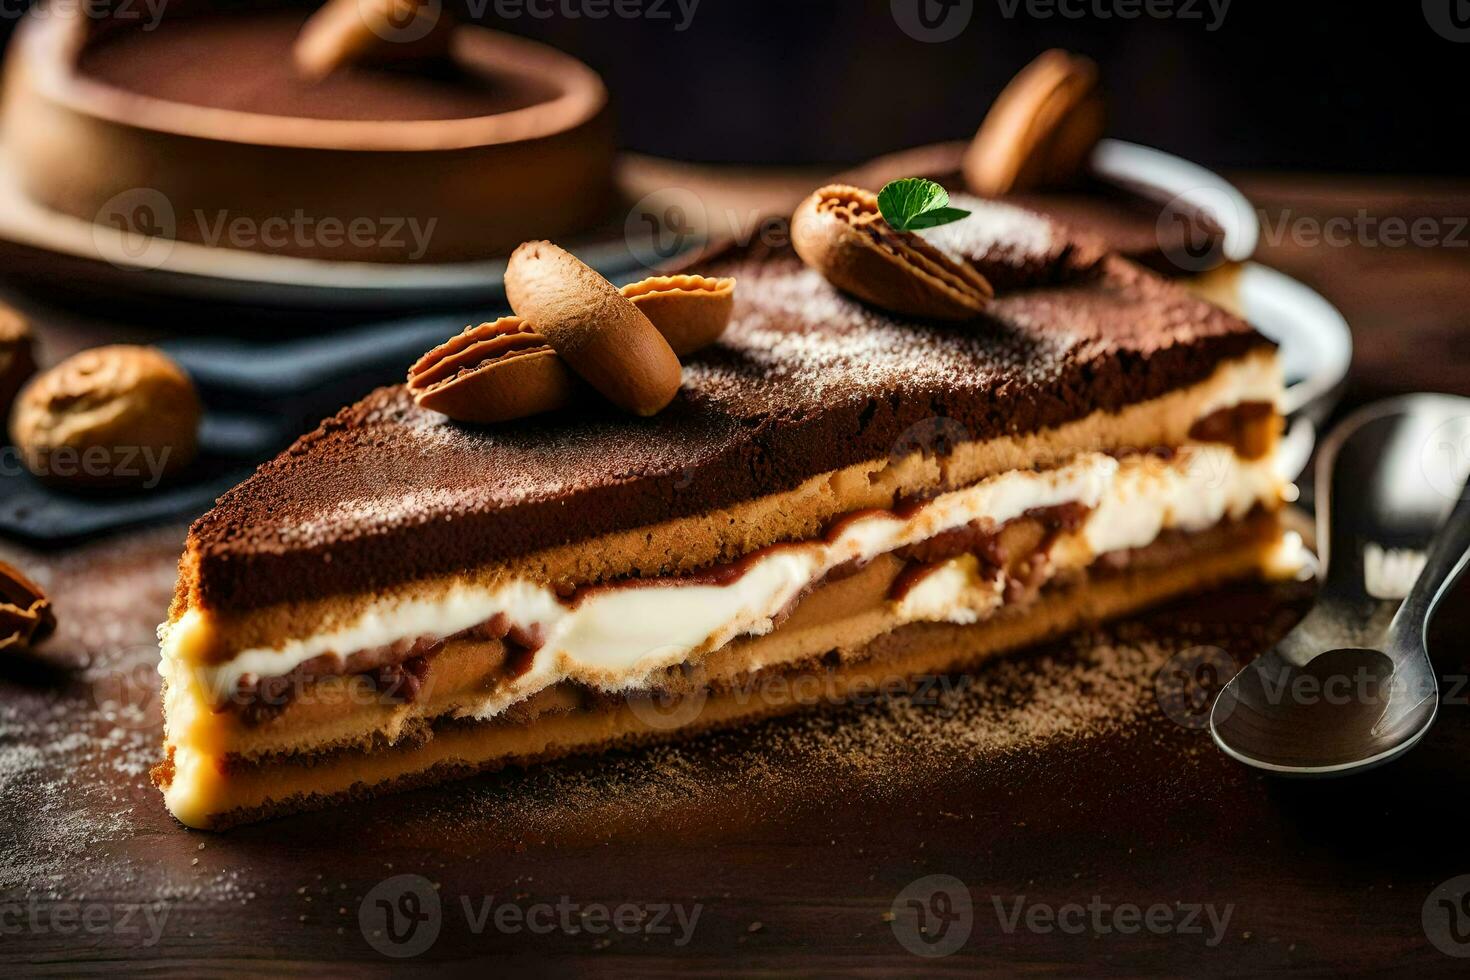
{"x": 1058, "y": 813}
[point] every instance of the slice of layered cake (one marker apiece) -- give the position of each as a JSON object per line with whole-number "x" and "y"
{"x": 838, "y": 499}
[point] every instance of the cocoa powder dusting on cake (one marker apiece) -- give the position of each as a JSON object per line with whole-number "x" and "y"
{"x": 1014, "y": 248}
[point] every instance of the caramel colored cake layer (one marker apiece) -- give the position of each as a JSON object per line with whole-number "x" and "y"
{"x": 835, "y": 492}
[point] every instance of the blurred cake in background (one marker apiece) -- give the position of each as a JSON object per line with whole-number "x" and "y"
{"x": 204, "y": 128}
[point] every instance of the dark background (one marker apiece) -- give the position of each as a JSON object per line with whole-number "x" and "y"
{"x": 1366, "y": 86}
{"x": 1303, "y": 84}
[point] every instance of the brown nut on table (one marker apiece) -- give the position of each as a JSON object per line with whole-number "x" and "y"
{"x": 26, "y": 617}
{"x": 108, "y": 417}
{"x": 598, "y": 332}
{"x": 17, "y": 357}
{"x": 1040, "y": 130}
{"x": 690, "y": 311}
{"x": 370, "y": 32}
{"x": 839, "y": 232}
{"x": 493, "y": 372}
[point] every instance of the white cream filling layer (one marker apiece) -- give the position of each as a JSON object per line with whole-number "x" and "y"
{"x": 956, "y": 591}
{"x": 615, "y": 639}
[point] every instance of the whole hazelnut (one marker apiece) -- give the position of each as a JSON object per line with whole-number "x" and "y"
{"x": 17, "y": 356}
{"x": 117, "y": 416}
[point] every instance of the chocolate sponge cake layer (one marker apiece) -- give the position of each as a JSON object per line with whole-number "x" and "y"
{"x": 805, "y": 381}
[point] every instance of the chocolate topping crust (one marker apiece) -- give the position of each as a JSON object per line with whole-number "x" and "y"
{"x": 804, "y": 381}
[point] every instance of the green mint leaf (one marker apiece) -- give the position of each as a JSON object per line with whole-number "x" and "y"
{"x": 901, "y": 201}
{"x": 913, "y": 202}
{"x": 937, "y": 217}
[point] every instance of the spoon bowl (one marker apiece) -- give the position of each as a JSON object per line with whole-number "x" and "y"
{"x": 1352, "y": 685}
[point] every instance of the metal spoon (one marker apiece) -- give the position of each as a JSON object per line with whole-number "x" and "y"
{"x": 1352, "y": 686}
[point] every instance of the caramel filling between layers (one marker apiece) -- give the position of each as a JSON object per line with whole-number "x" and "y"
{"x": 744, "y": 681}
{"x": 831, "y": 625}
{"x": 1014, "y": 553}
